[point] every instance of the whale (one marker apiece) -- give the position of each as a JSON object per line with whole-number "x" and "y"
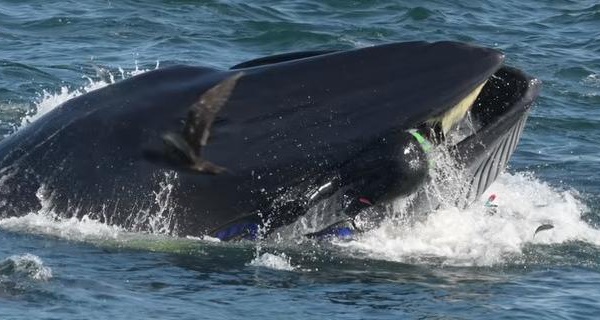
{"x": 238, "y": 153}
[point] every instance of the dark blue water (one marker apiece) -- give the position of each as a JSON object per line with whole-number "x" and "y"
{"x": 455, "y": 264}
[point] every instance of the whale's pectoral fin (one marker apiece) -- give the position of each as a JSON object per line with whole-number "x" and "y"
{"x": 177, "y": 145}
{"x": 206, "y": 166}
{"x": 202, "y": 113}
{"x": 180, "y": 149}
{"x": 187, "y": 146}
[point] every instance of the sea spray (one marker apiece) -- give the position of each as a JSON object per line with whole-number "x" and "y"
{"x": 50, "y": 100}
{"x": 273, "y": 261}
{"x": 473, "y": 236}
{"x": 159, "y": 218}
{"x": 27, "y": 265}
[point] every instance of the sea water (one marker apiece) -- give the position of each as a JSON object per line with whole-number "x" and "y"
{"x": 453, "y": 263}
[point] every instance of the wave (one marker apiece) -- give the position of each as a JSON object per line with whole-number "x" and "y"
{"x": 27, "y": 266}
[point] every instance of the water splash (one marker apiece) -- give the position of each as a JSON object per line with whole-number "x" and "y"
{"x": 88, "y": 229}
{"x": 467, "y": 237}
{"x": 273, "y": 261}
{"x": 160, "y": 217}
{"x": 50, "y": 100}
{"x": 51, "y": 224}
{"x": 46, "y": 221}
{"x": 27, "y": 265}
{"x": 477, "y": 236}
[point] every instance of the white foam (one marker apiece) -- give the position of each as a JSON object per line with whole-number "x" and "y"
{"x": 476, "y": 237}
{"x": 593, "y": 81}
{"x": 83, "y": 229}
{"x": 273, "y": 261}
{"x": 89, "y": 227}
{"x": 47, "y": 222}
{"x": 92, "y": 231}
{"x": 30, "y": 265}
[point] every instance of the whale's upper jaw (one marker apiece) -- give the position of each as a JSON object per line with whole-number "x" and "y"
{"x": 330, "y": 100}
{"x": 375, "y": 90}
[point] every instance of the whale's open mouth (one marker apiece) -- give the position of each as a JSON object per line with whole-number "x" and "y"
{"x": 482, "y": 131}
{"x": 484, "y": 128}
{"x": 506, "y": 94}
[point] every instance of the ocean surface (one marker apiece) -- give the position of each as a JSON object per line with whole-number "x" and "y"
{"x": 456, "y": 264}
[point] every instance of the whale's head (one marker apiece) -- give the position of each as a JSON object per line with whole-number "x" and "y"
{"x": 353, "y": 108}
{"x": 365, "y": 121}
{"x": 287, "y": 130}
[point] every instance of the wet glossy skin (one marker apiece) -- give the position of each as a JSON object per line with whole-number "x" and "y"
{"x": 286, "y": 128}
